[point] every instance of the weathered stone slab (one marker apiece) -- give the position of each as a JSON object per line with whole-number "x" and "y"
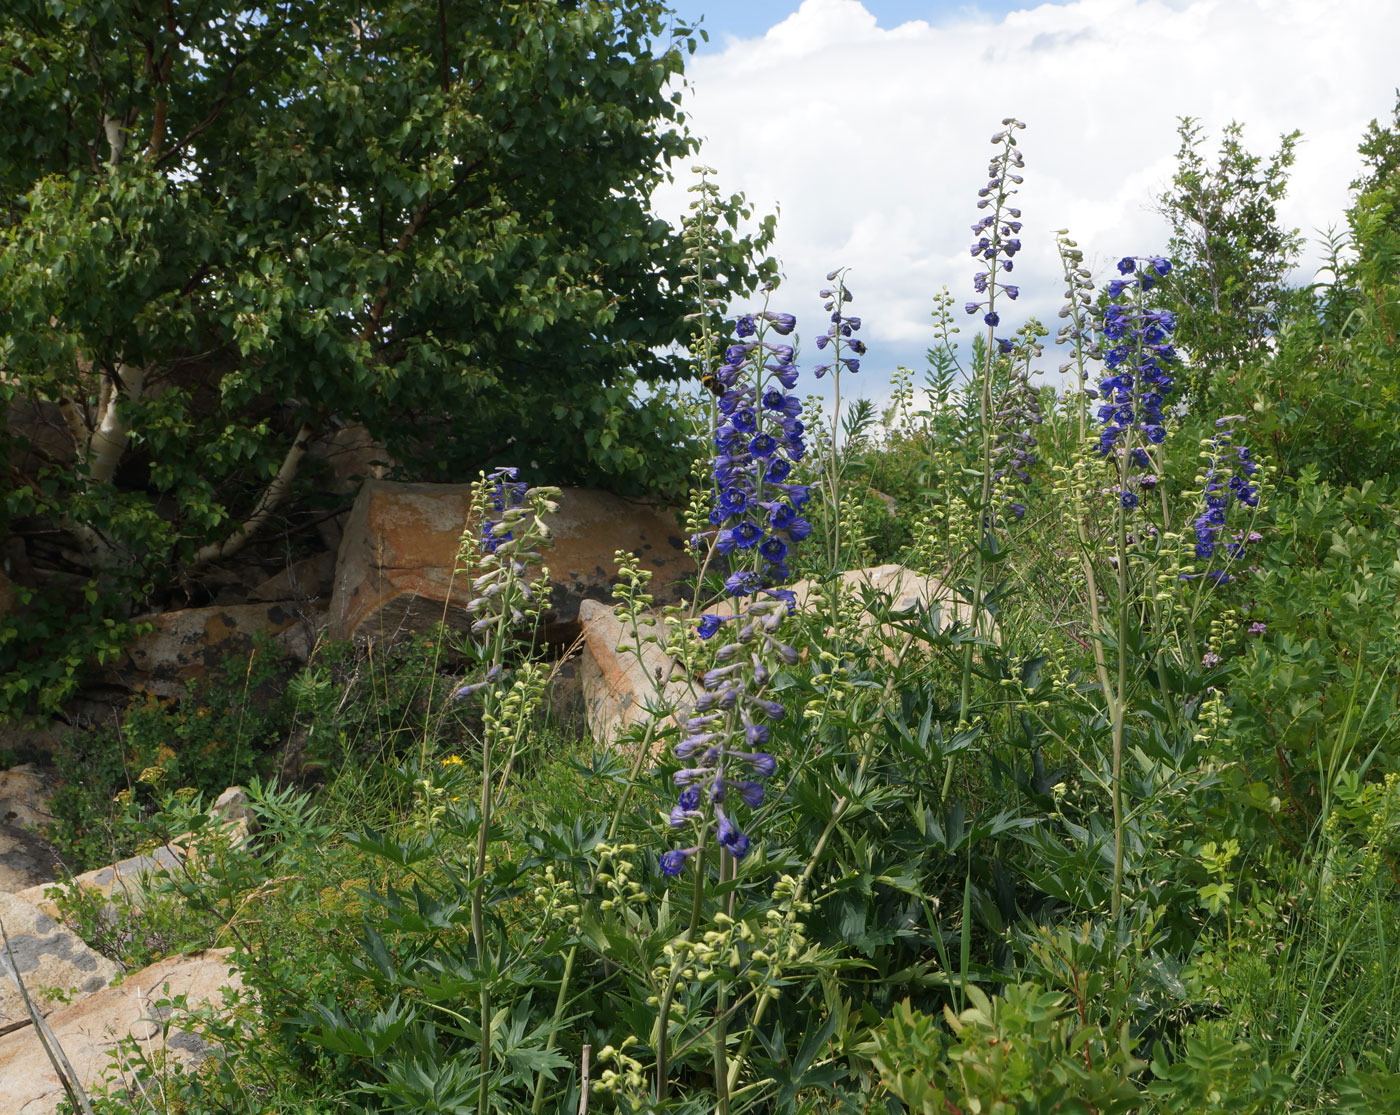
{"x": 129, "y": 879}
{"x": 24, "y": 798}
{"x": 620, "y": 675}
{"x": 395, "y": 569}
{"x": 51, "y": 960}
{"x": 26, "y": 859}
{"x": 588, "y": 529}
{"x": 89, "y": 1029}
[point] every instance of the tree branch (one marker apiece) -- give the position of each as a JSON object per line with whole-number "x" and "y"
{"x": 272, "y": 498}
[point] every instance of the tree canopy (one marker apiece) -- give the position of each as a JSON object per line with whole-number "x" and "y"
{"x": 226, "y": 229}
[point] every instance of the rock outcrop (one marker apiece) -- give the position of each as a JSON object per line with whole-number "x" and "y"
{"x": 192, "y": 642}
{"x": 26, "y": 858}
{"x": 53, "y": 962}
{"x": 395, "y": 570}
{"x": 623, "y": 673}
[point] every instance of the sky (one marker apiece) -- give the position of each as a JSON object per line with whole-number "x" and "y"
{"x": 864, "y": 124}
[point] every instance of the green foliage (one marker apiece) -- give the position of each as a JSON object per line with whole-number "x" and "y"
{"x": 217, "y": 735}
{"x": 1020, "y": 1052}
{"x": 1315, "y": 698}
{"x": 1230, "y": 256}
{"x": 46, "y": 643}
{"x": 1217, "y": 1074}
{"x": 1088, "y": 801}
{"x": 1324, "y": 389}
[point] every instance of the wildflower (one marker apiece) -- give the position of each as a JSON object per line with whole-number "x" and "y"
{"x": 1258, "y": 628}
{"x": 996, "y": 233}
{"x": 709, "y": 625}
{"x": 493, "y": 675}
{"x": 505, "y": 491}
{"x": 756, "y": 443}
{"x": 728, "y": 725}
{"x": 1225, "y": 488}
{"x": 674, "y": 861}
{"x": 1134, "y": 343}
{"x": 842, "y": 327}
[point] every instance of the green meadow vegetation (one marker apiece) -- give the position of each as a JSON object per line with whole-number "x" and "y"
{"x": 1111, "y": 824}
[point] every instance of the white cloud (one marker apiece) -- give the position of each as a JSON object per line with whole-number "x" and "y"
{"x": 873, "y": 141}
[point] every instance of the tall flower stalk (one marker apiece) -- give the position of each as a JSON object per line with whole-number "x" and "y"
{"x": 842, "y": 351}
{"x": 723, "y": 741}
{"x": 1134, "y": 343}
{"x": 511, "y": 534}
{"x": 998, "y": 242}
{"x": 758, "y": 438}
{"x": 755, "y": 519}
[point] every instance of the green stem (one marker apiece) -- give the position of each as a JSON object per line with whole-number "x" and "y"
{"x": 483, "y": 835}
{"x": 559, "y": 1002}
{"x": 726, "y": 870}
{"x": 562, "y": 997}
{"x": 837, "y": 812}
{"x": 985, "y": 529}
{"x": 1116, "y": 899}
{"x": 478, "y": 918}
{"x": 834, "y": 483}
{"x": 663, "y": 1019}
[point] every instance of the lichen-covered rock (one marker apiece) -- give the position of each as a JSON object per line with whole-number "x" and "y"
{"x": 126, "y": 878}
{"x": 52, "y": 961}
{"x": 619, "y": 673}
{"x": 192, "y": 642}
{"x": 90, "y": 1028}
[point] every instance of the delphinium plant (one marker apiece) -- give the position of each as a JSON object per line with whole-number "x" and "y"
{"x": 504, "y": 594}
{"x": 1146, "y": 581}
{"x": 755, "y": 519}
{"x": 836, "y": 440}
{"x": 997, "y": 244}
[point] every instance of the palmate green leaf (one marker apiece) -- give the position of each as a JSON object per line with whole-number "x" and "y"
{"x": 357, "y": 1033}
{"x": 416, "y": 849}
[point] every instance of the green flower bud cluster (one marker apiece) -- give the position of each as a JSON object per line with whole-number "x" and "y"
{"x": 616, "y": 877}
{"x": 629, "y": 1077}
{"x": 1213, "y": 717}
{"x": 557, "y": 901}
{"x": 633, "y": 582}
{"x": 430, "y": 803}
{"x": 508, "y": 719}
{"x": 834, "y": 688}
{"x": 746, "y": 950}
